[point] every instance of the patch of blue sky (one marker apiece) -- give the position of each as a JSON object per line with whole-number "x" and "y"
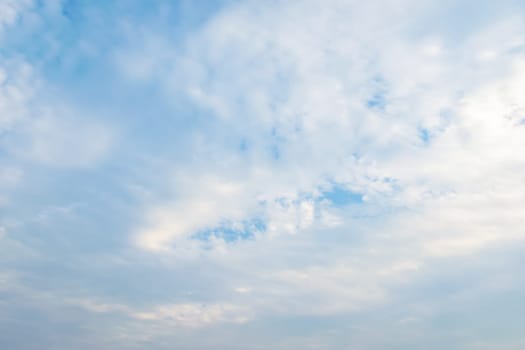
{"x": 231, "y": 232}
{"x": 278, "y": 142}
{"x": 341, "y": 196}
{"x": 276, "y": 153}
{"x": 378, "y": 99}
{"x": 424, "y": 135}
{"x": 244, "y": 145}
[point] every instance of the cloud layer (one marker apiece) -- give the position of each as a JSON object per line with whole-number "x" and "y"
{"x": 250, "y": 175}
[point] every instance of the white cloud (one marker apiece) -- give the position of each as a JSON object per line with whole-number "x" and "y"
{"x": 65, "y": 141}
{"x": 34, "y": 126}
{"x": 296, "y": 98}
{"x": 17, "y": 88}
{"x": 305, "y": 94}
{"x": 420, "y": 126}
{"x": 191, "y": 315}
{"x": 202, "y": 203}
{"x": 195, "y": 315}
{"x": 10, "y": 12}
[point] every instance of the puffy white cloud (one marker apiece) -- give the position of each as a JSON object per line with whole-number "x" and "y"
{"x": 352, "y": 100}
{"x": 424, "y": 127}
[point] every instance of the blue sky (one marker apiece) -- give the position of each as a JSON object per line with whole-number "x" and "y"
{"x": 262, "y": 174}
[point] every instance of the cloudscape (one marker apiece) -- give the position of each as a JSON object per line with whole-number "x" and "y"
{"x": 243, "y": 174}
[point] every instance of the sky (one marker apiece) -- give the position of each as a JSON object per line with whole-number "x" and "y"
{"x": 243, "y": 175}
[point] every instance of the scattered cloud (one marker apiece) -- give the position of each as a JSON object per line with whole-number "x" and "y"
{"x": 271, "y": 175}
